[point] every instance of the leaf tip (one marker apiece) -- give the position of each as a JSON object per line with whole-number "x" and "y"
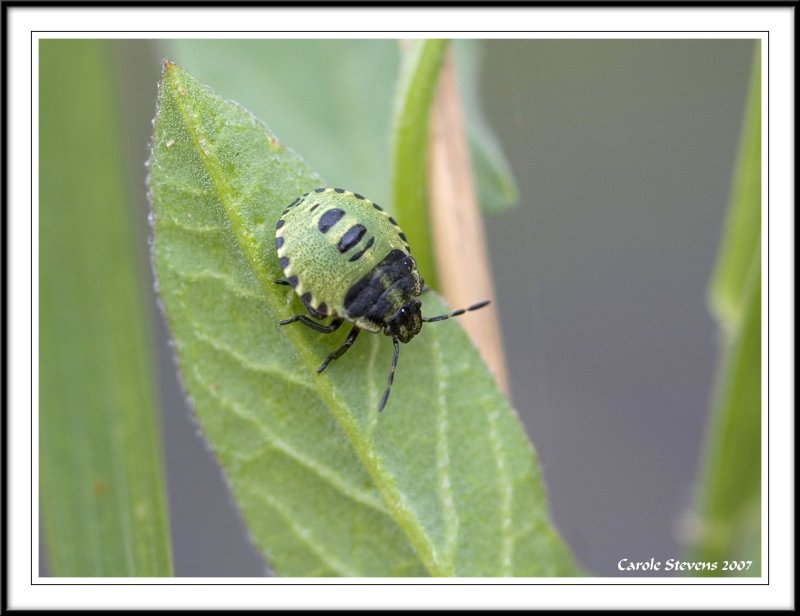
{"x": 166, "y": 65}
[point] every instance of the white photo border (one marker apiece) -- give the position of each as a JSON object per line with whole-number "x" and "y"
{"x": 773, "y": 25}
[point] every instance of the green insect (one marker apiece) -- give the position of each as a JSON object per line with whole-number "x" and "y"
{"x": 346, "y": 258}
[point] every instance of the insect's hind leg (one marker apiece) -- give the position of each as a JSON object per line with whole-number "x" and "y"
{"x": 317, "y": 327}
{"x": 351, "y": 338}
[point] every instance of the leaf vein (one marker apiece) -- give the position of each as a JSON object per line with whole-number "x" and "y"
{"x": 306, "y": 537}
{"x": 168, "y": 183}
{"x": 198, "y": 229}
{"x": 372, "y": 392}
{"x": 273, "y": 442}
{"x": 226, "y": 280}
{"x": 506, "y": 490}
{"x": 451, "y": 520}
{"x": 249, "y": 364}
{"x": 524, "y": 532}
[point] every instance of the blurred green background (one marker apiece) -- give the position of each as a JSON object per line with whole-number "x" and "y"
{"x": 623, "y": 154}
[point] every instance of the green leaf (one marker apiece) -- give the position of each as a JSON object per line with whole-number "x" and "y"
{"x": 331, "y": 98}
{"x": 497, "y": 189}
{"x": 419, "y": 74}
{"x": 101, "y": 489}
{"x": 729, "y": 499}
{"x": 443, "y": 482}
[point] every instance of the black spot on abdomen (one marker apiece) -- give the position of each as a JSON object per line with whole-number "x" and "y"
{"x": 357, "y": 255}
{"x": 351, "y": 237}
{"x": 328, "y": 219}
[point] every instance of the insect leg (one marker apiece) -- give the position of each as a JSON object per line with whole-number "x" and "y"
{"x": 283, "y": 281}
{"x": 318, "y": 327}
{"x": 351, "y": 338}
{"x": 385, "y": 396}
{"x": 456, "y": 313}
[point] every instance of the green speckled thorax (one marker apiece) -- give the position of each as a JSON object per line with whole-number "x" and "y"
{"x": 346, "y": 258}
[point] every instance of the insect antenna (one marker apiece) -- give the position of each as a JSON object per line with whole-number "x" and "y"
{"x": 385, "y": 396}
{"x": 456, "y": 313}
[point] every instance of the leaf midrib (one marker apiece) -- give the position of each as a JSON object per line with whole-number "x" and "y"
{"x": 401, "y": 513}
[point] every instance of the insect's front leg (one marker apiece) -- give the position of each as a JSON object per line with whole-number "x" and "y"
{"x": 351, "y": 338}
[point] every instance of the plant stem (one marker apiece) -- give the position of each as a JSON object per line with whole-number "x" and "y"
{"x": 461, "y": 255}
{"x": 419, "y": 72}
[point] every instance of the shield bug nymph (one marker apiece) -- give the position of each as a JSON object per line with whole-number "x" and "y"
{"x": 347, "y": 258}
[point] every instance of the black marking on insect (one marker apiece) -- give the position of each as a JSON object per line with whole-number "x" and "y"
{"x": 320, "y": 312}
{"x": 351, "y": 237}
{"x": 357, "y": 255}
{"x": 328, "y": 219}
{"x": 381, "y": 293}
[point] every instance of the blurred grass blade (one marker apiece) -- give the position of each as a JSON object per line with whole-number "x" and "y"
{"x": 742, "y": 230}
{"x": 443, "y": 482}
{"x": 729, "y": 501}
{"x": 419, "y": 73}
{"x": 497, "y": 189}
{"x": 101, "y": 483}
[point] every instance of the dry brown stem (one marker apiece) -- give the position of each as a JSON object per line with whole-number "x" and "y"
{"x": 462, "y": 262}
